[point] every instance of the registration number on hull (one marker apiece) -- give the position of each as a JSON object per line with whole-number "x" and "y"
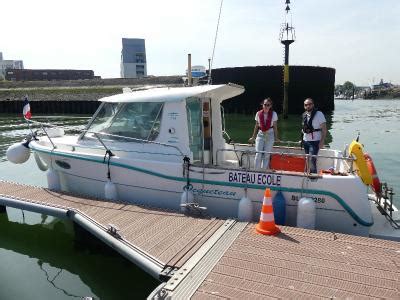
{"x": 316, "y": 199}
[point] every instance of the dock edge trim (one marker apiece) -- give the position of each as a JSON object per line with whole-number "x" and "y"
{"x": 190, "y": 282}
{"x": 60, "y": 213}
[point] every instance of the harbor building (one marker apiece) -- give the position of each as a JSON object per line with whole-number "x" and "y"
{"x": 382, "y": 85}
{"x": 13, "y": 74}
{"x": 133, "y": 58}
{"x": 9, "y": 64}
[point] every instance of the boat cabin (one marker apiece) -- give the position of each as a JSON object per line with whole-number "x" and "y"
{"x": 180, "y": 121}
{"x": 167, "y": 124}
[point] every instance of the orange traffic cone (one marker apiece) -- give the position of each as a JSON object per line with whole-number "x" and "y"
{"x": 267, "y": 221}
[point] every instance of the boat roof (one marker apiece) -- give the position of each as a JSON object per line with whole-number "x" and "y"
{"x": 175, "y": 94}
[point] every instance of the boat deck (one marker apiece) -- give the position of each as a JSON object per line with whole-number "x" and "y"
{"x": 207, "y": 258}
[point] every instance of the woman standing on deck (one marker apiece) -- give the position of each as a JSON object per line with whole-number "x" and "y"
{"x": 266, "y": 129}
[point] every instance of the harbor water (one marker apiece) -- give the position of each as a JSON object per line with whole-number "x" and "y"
{"x": 42, "y": 258}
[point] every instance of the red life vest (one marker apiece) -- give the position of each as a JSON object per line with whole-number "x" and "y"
{"x": 265, "y": 126}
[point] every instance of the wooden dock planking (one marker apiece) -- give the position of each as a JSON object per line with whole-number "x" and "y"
{"x": 166, "y": 236}
{"x": 188, "y": 250}
{"x": 239, "y": 264}
{"x": 301, "y": 263}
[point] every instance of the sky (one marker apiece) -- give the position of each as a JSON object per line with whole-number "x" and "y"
{"x": 359, "y": 38}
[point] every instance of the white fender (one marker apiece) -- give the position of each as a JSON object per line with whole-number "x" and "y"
{"x": 110, "y": 191}
{"x": 53, "y": 180}
{"x": 306, "y": 213}
{"x": 18, "y": 153}
{"x": 40, "y": 163}
{"x": 245, "y": 210}
{"x": 186, "y": 197}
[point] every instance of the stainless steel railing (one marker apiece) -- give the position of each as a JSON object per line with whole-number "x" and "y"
{"x": 101, "y": 140}
{"x": 247, "y": 153}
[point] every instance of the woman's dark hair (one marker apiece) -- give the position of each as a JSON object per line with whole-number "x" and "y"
{"x": 269, "y": 100}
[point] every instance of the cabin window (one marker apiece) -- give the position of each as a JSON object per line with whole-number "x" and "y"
{"x": 135, "y": 120}
{"x": 103, "y": 118}
{"x": 194, "y": 115}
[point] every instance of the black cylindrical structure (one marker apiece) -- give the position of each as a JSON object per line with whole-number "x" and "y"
{"x": 317, "y": 83}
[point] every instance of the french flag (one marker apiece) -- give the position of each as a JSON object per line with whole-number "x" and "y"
{"x": 27, "y": 109}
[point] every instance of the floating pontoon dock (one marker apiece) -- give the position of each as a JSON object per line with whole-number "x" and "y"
{"x": 207, "y": 258}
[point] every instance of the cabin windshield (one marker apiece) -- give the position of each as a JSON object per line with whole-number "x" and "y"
{"x": 139, "y": 120}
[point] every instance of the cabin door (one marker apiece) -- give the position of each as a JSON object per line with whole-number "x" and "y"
{"x": 195, "y": 128}
{"x": 199, "y": 125}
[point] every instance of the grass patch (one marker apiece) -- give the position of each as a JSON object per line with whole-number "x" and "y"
{"x": 64, "y": 90}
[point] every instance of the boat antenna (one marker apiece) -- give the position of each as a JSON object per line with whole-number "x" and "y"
{"x": 215, "y": 42}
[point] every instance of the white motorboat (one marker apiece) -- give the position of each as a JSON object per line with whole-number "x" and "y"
{"x": 165, "y": 148}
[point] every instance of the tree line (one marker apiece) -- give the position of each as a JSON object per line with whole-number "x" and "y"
{"x": 347, "y": 90}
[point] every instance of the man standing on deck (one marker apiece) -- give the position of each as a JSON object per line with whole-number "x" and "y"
{"x": 314, "y": 131}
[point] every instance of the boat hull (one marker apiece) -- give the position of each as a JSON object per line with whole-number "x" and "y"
{"x": 341, "y": 201}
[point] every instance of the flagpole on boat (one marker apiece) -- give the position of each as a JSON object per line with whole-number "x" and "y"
{"x": 26, "y": 112}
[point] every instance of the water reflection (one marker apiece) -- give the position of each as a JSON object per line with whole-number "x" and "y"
{"x": 71, "y": 267}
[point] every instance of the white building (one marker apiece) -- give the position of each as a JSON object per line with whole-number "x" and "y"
{"x": 133, "y": 58}
{"x": 9, "y": 64}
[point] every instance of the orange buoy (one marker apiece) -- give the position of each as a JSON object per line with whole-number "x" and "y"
{"x": 376, "y": 183}
{"x": 267, "y": 222}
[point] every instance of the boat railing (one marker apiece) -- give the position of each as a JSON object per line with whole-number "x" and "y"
{"x": 384, "y": 203}
{"x": 42, "y": 126}
{"x": 294, "y": 143}
{"x": 247, "y": 153}
{"x": 98, "y": 135}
